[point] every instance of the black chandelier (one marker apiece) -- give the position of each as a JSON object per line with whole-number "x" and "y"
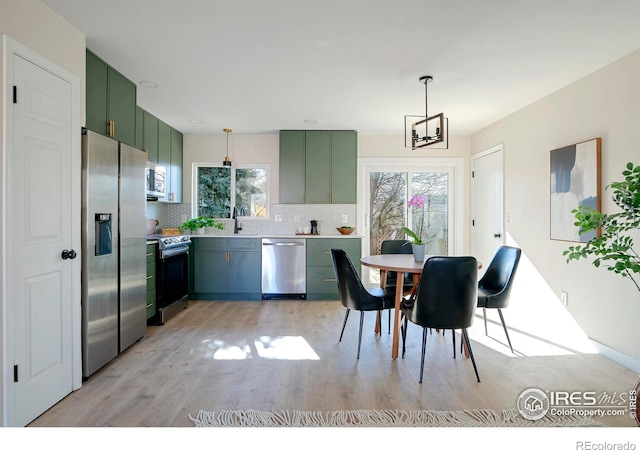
{"x": 428, "y": 130}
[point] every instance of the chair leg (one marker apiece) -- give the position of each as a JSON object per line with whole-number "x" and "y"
{"x": 360, "y": 333}
{"x": 389, "y": 331}
{"x": 484, "y": 316}
{"x": 504, "y": 325}
{"x": 424, "y": 347}
{"x": 344, "y": 324}
{"x": 404, "y": 334}
{"x": 379, "y": 319}
{"x": 453, "y": 335}
{"x": 465, "y": 336}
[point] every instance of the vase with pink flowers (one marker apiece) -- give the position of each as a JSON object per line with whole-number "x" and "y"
{"x": 419, "y": 241}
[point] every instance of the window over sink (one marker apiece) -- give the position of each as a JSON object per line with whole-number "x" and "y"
{"x": 217, "y": 189}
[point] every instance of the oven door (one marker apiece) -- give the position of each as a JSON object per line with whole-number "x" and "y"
{"x": 173, "y": 280}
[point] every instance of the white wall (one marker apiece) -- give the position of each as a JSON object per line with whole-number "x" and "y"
{"x": 604, "y": 104}
{"x": 243, "y": 149}
{"x": 34, "y": 25}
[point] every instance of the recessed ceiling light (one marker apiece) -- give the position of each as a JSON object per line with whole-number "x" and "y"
{"x": 195, "y": 120}
{"x": 148, "y": 84}
{"x": 310, "y": 121}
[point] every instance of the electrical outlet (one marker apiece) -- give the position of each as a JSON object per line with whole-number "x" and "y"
{"x": 345, "y": 219}
{"x": 278, "y": 218}
{"x": 564, "y": 298}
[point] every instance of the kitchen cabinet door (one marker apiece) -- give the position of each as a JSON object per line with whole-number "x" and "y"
{"x": 97, "y": 89}
{"x": 318, "y": 167}
{"x": 150, "y": 135}
{"x": 164, "y": 156}
{"x": 210, "y": 272}
{"x": 151, "y": 280}
{"x": 176, "y": 166}
{"x": 292, "y": 166}
{"x": 110, "y": 101}
{"x": 244, "y": 272}
{"x": 321, "y": 281}
{"x": 344, "y": 159}
{"x": 122, "y": 108}
{"x": 139, "y": 128}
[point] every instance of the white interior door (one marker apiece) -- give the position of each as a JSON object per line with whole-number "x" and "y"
{"x": 488, "y": 200}
{"x": 40, "y": 226}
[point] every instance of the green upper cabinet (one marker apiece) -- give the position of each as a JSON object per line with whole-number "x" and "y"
{"x": 318, "y": 166}
{"x": 176, "y": 166}
{"x": 163, "y": 145}
{"x": 139, "y": 128}
{"x": 110, "y": 101}
{"x": 96, "y": 94}
{"x": 164, "y": 156}
{"x": 150, "y": 135}
{"x": 292, "y": 166}
{"x": 344, "y": 159}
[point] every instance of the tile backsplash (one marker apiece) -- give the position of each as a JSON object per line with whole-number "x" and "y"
{"x": 283, "y": 218}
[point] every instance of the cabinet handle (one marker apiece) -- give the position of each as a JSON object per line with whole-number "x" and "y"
{"x": 327, "y": 253}
{"x": 333, "y": 280}
{"x": 112, "y": 128}
{"x": 150, "y": 305}
{"x": 330, "y": 198}
{"x": 149, "y": 254}
{"x": 149, "y": 277}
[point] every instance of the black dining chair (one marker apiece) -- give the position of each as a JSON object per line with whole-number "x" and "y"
{"x": 354, "y": 295}
{"x": 446, "y": 299}
{"x": 494, "y": 288}
{"x": 403, "y": 247}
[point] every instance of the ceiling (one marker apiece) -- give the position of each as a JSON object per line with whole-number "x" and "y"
{"x": 258, "y": 66}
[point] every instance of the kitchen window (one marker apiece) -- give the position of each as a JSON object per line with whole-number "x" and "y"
{"x": 217, "y": 189}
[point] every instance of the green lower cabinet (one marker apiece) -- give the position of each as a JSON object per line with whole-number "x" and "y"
{"x": 321, "y": 280}
{"x": 225, "y": 269}
{"x": 151, "y": 280}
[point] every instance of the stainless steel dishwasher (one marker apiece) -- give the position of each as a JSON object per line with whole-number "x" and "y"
{"x": 284, "y": 268}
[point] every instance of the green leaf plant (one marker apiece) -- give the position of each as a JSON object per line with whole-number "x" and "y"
{"x": 614, "y": 247}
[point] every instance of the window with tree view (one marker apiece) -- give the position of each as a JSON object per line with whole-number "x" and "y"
{"x": 218, "y": 189}
{"x": 389, "y": 196}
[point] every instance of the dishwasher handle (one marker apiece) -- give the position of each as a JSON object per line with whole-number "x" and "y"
{"x": 282, "y": 243}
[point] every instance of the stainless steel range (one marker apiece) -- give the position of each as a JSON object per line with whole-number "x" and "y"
{"x": 172, "y": 272}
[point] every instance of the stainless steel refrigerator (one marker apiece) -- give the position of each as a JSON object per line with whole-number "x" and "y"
{"x": 113, "y": 249}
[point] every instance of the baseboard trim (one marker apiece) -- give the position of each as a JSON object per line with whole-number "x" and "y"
{"x": 617, "y": 356}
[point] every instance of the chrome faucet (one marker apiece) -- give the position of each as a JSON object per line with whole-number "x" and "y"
{"x": 235, "y": 220}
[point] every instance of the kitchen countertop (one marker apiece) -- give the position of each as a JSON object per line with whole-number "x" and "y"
{"x": 278, "y": 236}
{"x": 154, "y": 238}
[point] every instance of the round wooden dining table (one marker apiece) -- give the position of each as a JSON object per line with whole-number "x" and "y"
{"x": 400, "y": 264}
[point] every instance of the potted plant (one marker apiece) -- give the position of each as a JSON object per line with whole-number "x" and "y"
{"x": 198, "y": 224}
{"x": 419, "y": 240}
{"x": 210, "y": 222}
{"x": 613, "y": 248}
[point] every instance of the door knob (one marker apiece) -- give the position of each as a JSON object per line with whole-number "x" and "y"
{"x": 69, "y": 254}
{"x": 497, "y": 235}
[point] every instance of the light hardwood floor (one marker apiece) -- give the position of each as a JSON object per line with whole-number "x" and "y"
{"x": 207, "y": 358}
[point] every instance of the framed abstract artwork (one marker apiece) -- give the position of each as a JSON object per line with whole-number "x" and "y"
{"x": 575, "y": 181}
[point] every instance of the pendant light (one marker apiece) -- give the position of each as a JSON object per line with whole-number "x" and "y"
{"x": 227, "y": 161}
{"x": 429, "y": 130}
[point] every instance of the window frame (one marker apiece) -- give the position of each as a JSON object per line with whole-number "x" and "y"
{"x": 233, "y": 168}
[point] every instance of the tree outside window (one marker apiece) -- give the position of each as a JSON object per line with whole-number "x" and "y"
{"x": 220, "y": 188}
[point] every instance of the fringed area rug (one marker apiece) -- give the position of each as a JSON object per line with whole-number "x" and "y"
{"x": 385, "y": 418}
